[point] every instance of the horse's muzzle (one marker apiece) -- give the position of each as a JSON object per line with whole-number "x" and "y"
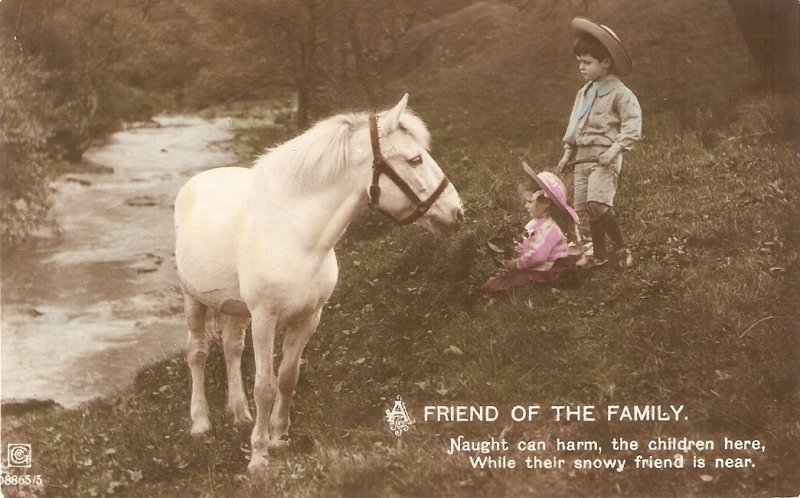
{"x": 447, "y": 227}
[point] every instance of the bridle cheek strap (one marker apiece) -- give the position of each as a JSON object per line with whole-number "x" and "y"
{"x": 381, "y": 166}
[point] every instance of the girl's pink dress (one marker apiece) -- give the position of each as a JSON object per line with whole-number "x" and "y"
{"x": 541, "y": 256}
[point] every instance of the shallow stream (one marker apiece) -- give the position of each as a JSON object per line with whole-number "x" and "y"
{"x": 84, "y": 309}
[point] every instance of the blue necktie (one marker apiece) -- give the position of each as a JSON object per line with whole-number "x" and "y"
{"x": 588, "y": 100}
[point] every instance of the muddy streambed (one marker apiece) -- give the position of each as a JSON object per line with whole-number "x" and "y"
{"x": 83, "y": 310}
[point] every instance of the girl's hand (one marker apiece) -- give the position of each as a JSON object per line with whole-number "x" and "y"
{"x": 510, "y": 263}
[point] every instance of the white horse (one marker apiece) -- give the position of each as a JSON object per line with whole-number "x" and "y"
{"x": 258, "y": 244}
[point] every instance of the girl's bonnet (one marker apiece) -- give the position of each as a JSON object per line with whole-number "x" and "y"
{"x": 553, "y": 189}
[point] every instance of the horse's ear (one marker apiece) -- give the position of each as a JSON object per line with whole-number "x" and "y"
{"x": 392, "y": 117}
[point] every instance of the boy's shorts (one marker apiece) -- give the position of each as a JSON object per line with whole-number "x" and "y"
{"x": 593, "y": 182}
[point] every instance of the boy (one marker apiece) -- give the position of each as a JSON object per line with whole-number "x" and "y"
{"x": 606, "y": 121}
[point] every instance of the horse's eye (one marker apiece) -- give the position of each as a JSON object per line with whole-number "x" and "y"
{"x": 415, "y": 161}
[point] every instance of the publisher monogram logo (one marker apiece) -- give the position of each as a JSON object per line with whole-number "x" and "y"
{"x": 19, "y": 455}
{"x": 398, "y": 418}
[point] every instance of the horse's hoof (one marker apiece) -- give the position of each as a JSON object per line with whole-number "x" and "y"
{"x": 280, "y": 444}
{"x": 257, "y": 468}
{"x": 200, "y": 428}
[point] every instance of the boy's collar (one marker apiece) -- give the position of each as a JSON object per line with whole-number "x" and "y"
{"x": 605, "y": 84}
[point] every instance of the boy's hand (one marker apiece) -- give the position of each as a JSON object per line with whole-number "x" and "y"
{"x": 607, "y": 157}
{"x": 562, "y": 164}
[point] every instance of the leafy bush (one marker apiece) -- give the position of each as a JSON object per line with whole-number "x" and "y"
{"x": 56, "y": 98}
{"x": 24, "y": 135}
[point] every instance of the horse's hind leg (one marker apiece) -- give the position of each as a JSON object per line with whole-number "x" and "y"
{"x": 196, "y": 358}
{"x": 233, "y": 334}
{"x": 294, "y": 342}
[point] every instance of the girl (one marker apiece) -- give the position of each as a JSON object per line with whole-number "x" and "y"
{"x": 544, "y": 252}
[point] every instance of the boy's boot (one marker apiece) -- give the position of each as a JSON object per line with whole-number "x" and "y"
{"x": 621, "y": 253}
{"x": 597, "y": 228}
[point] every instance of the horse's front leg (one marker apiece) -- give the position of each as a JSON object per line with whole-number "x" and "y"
{"x": 294, "y": 342}
{"x": 263, "y": 329}
{"x": 233, "y": 334}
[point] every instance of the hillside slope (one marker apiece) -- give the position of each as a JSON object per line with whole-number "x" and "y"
{"x": 509, "y": 71}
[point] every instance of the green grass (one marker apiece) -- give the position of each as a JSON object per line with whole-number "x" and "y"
{"x": 707, "y": 318}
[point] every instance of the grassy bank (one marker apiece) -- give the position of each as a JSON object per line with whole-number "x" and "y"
{"x": 706, "y": 319}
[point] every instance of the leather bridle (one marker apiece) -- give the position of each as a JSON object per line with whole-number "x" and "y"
{"x": 381, "y": 166}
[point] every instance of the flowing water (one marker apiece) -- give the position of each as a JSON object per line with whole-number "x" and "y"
{"x": 84, "y": 310}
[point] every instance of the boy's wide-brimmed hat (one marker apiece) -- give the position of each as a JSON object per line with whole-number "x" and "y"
{"x": 553, "y": 188}
{"x": 623, "y": 64}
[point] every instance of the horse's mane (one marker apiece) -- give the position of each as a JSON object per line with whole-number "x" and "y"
{"x": 320, "y": 155}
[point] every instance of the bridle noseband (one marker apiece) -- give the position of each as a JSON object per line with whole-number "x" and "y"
{"x": 381, "y": 166}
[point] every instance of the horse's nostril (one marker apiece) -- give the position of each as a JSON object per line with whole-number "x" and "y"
{"x": 460, "y": 216}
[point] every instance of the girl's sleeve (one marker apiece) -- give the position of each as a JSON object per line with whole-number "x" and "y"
{"x": 536, "y": 254}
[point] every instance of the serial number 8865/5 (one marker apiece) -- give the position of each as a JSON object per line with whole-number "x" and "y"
{"x": 24, "y": 480}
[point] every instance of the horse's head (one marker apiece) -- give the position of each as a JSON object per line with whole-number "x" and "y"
{"x": 407, "y": 184}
